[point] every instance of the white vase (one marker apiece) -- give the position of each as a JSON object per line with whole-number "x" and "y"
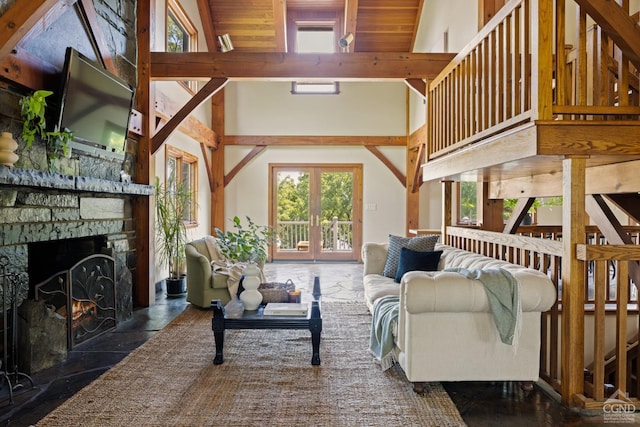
{"x": 250, "y": 297}
{"x": 8, "y": 146}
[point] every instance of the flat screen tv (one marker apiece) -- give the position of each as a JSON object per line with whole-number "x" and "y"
{"x": 95, "y": 105}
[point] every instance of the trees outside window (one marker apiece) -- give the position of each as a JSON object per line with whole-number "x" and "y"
{"x": 181, "y": 35}
{"x": 467, "y": 202}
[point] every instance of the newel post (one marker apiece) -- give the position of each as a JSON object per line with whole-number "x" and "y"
{"x": 573, "y": 276}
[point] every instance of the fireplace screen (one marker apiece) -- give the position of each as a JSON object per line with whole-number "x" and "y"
{"x": 85, "y": 296}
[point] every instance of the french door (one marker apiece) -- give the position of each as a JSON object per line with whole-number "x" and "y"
{"x": 317, "y": 211}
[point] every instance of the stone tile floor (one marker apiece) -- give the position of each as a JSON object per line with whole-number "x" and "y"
{"x": 481, "y": 404}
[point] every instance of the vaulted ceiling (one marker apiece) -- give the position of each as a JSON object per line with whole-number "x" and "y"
{"x": 269, "y": 25}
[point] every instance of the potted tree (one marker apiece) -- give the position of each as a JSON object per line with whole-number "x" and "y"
{"x": 173, "y": 201}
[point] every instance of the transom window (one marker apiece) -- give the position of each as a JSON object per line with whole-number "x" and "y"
{"x": 183, "y": 167}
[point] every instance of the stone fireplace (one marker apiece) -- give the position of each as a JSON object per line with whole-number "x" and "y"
{"x": 61, "y": 230}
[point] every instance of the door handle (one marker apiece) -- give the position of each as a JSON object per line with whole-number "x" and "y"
{"x": 317, "y": 220}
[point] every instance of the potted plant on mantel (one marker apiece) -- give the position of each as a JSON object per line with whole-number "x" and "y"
{"x": 173, "y": 201}
{"x": 32, "y": 110}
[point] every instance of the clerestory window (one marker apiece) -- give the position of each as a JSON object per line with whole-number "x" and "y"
{"x": 181, "y": 35}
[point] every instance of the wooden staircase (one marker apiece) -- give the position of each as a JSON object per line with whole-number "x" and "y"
{"x": 610, "y": 372}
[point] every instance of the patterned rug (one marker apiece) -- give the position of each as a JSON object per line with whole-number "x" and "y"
{"x": 267, "y": 379}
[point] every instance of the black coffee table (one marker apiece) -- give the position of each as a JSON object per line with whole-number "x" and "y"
{"x": 255, "y": 319}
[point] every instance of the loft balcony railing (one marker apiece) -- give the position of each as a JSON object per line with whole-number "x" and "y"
{"x": 526, "y": 65}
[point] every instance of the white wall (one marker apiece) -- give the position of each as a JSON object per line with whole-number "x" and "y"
{"x": 361, "y": 108}
{"x": 458, "y": 18}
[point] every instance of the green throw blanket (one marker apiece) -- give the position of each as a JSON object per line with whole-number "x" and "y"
{"x": 504, "y": 299}
{"x": 385, "y": 314}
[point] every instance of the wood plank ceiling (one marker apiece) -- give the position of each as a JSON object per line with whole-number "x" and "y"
{"x": 265, "y": 25}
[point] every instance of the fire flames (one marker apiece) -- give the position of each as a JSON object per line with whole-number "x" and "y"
{"x": 79, "y": 310}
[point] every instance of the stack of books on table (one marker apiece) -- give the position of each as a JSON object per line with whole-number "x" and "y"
{"x": 286, "y": 309}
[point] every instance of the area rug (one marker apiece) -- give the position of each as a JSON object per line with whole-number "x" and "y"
{"x": 266, "y": 379}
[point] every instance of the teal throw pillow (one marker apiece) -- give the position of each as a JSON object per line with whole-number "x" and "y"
{"x": 396, "y": 243}
{"x": 416, "y": 261}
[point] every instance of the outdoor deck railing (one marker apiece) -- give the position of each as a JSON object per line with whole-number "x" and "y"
{"x": 335, "y": 235}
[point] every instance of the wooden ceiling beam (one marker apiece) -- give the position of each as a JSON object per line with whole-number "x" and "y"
{"x": 280, "y": 25}
{"x": 252, "y": 65}
{"x": 417, "y": 25}
{"x": 350, "y": 21}
{"x": 325, "y": 140}
{"x": 208, "y": 26}
{"x": 418, "y": 85}
{"x": 19, "y": 20}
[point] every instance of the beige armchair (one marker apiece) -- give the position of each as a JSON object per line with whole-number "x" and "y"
{"x": 203, "y": 284}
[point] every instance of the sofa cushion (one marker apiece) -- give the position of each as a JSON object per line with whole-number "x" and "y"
{"x": 411, "y": 260}
{"x": 377, "y": 286}
{"x": 396, "y": 243}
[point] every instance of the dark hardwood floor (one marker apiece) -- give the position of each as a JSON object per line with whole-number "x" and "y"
{"x": 481, "y": 404}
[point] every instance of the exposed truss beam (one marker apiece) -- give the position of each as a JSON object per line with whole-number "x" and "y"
{"x": 203, "y": 94}
{"x": 519, "y": 212}
{"x": 394, "y": 170}
{"x": 252, "y": 65}
{"x": 18, "y": 20}
{"x": 610, "y": 227}
{"x": 252, "y": 154}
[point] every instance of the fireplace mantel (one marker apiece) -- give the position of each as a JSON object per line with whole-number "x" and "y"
{"x": 15, "y": 177}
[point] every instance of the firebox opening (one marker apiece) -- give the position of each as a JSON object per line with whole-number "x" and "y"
{"x": 47, "y": 258}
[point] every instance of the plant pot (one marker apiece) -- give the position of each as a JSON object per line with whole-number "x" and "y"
{"x": 176, "y": 287}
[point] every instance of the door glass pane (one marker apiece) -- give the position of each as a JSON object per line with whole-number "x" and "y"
{"x": 336, "y": 204}
{"x": 293, "y": 211}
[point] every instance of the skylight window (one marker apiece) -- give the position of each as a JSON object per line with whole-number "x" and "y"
{"x": 315, "y": 39}
{"x": 315, "y": 88}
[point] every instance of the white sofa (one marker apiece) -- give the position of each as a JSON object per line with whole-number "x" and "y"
{"x": 445, "y": 330}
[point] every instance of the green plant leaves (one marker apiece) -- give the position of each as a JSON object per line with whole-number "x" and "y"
{"x": 245, "y": 243}
{"x": 32, "y": 110}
